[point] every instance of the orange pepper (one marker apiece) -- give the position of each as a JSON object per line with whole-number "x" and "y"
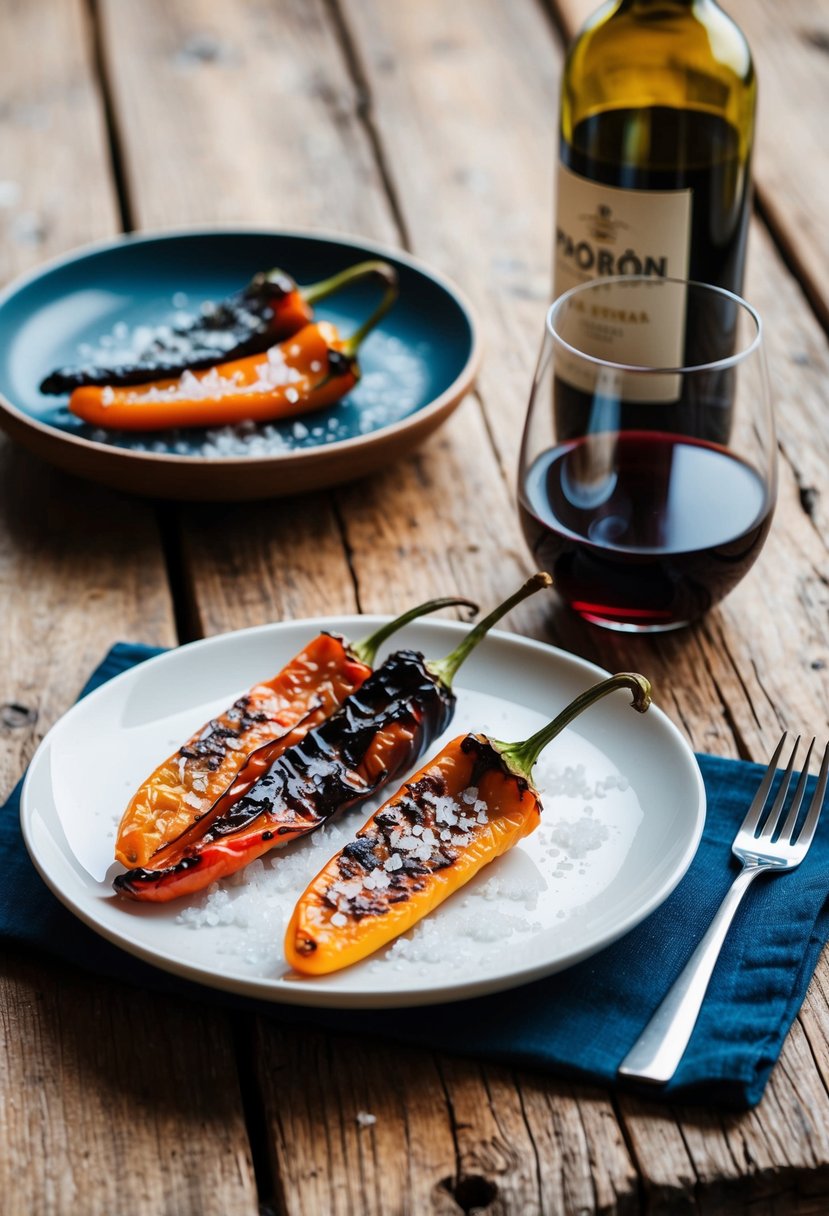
{"x": 178, "y": 403}
{"x": 186, "y": 784}
{"x": 463, "y": 809}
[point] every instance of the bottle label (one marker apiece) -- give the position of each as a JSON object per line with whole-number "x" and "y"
{"x": 602, "y": 231}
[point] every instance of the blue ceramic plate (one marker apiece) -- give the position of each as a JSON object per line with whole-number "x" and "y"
{"x": 416, "y": 366}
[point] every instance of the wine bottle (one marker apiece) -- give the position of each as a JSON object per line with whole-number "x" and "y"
{"x": 656, "y": 132}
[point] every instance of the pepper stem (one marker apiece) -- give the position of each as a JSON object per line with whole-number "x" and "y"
{"x": 445, "y": 669}
{"x": 389, "y": 276}
{"x": 313, "y": 292}
{"x": 521, "y": 757}
{"x": 366, "y": 649}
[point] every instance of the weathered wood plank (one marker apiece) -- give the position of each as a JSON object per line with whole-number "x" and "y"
{"x": 82, "y": 1128}
{"x": 116, "y": 1102}
{"x": 251, "y": 117}
{"x": 583, "y": 1162}
{"x": 791, "y": 51}
{"x": 498, "y": 1170}
{"x": 53, "y": 136}
{"x": 321, "y": 1093}
{"x": 463, "y": 98}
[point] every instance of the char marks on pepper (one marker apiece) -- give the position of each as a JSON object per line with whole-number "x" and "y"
{"x": 412, "y": 838}
{"x": 235, "y": 327}
{"x": 319, "y": 775}
{"x": 217, "y": 738}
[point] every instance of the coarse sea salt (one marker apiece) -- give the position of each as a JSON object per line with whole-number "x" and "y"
{"x": 578, "y": 837}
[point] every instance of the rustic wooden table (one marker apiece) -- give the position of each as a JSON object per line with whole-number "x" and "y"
{"x": 431, "y": 126}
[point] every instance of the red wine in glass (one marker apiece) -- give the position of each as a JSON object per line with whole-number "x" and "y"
{"x": 643, "y": 529}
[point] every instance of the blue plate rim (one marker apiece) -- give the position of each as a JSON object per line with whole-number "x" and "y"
{"x": 454, "y": 392}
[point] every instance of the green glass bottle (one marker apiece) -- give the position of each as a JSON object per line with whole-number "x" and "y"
{"x": 654, "y": 177}
{"x": 656, "y": 132}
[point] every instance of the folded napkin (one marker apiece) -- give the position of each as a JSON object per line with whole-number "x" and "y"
{"x": 581, "y": 1022}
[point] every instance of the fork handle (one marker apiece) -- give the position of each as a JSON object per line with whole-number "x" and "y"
{"x": 661, "y": 1045}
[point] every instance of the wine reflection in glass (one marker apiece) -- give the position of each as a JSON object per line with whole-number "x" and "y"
{"x": 647, "y": 478}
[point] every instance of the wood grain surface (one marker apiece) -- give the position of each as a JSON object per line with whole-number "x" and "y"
{"x": 89, "y": 1120}
{"x": 431, "y": 127}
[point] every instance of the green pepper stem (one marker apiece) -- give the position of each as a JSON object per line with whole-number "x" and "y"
{"x": 521, "y": 757}
{"x": 366, "y": 649}
{"x": 445, "y": 669}
{"x": 389, "y": 276}
{"x": 313, "y": 292}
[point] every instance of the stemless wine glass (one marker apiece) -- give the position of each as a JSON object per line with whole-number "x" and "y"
{"x": 647, "y": 477}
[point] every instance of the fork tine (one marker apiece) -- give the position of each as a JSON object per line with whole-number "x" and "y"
{"x": 759, "y": 801}
{"x": 787, "y": 830}
{"x": 816, "y": 805}
{"x": 777, "y": 809}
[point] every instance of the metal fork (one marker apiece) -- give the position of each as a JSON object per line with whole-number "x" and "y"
{"x": 658, "y": 1050}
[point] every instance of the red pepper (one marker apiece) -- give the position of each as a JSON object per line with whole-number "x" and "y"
{"x": 276, "y": 714}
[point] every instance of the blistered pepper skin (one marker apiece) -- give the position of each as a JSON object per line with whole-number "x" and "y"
{"x": 279, "y": 711}
{"x": 338, "y": 921}
{"x": 378, "y": 732}
{"x": 268, "y": 310}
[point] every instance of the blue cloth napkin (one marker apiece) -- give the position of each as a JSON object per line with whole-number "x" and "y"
{"x": 579, "y": 1023}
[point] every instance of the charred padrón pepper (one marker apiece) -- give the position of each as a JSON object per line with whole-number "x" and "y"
{"x": 467, "y": 806}
{"x": 314, "y": 368}
{"x": 271, "y": 308}
{"x": 262, "y": 723}
{"x": 377, "y": 733}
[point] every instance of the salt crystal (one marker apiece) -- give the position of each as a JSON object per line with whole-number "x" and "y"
{"x": 393, "y": 862}
{"x": 300, "y": 431}
{"x": 377, "y": 880}
{"x": 364, "y": 1119}
{"x": 470, "y": 795}
{"x": 192, "y": 800}
{"x": 339, "y": 920}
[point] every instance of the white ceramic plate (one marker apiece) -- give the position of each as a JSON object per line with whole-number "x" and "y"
{"x": 624, "y": 810}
